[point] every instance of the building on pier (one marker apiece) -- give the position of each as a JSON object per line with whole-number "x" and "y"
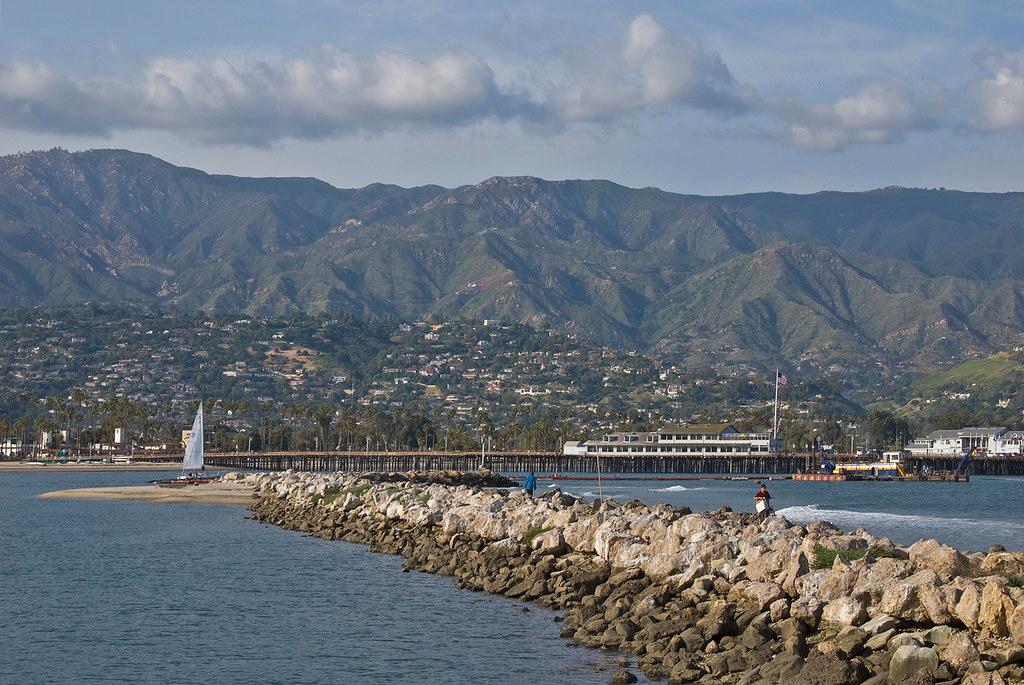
{"x": 693, "y": 440}
{"x": 983, "y": 440}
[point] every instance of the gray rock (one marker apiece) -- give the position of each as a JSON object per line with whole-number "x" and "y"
{"x": 851, "y": 641}
{"x": 961, "y": 653}
{"x": 879, "y": 624}
{"x": 1012, "y": 654}
{"x": 623, "y": 677}
{"x": 910, "y": 662}
{"x": 829, "y": 669}
{"x": 939, "y": 636}
{"x": 847, "y": 611}
{"x": 879, "y": 641}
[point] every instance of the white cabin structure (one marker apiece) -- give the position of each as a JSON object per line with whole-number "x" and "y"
{"x": 986, "y": 440}
{"x": 693, "y": 440}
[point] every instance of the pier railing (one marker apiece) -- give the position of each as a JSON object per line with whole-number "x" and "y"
{"x": 540, "y": 462}
{"x": 556, "y": 462}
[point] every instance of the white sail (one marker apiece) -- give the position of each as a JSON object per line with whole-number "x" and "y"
{"x": 193, "y": 460}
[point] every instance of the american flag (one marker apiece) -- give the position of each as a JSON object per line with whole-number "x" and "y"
{"x": 783, "y": 380}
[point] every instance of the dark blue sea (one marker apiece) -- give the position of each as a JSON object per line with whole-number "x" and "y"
{"x": 133, "y": 592}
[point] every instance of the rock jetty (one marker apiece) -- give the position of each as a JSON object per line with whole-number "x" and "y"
{"x": 712, "y": 597}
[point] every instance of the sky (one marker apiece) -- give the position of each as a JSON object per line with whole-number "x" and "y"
{"x": 712, "y": 98}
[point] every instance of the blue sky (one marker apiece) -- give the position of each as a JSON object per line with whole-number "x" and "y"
{"x": 712, "y": 98}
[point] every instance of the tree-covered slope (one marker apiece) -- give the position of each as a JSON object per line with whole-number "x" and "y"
{"x": 893, "y": 278}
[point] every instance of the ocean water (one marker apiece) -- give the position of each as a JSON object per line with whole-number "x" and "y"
{"x": 972, "y": 516}
{"x": 132, "y": 592}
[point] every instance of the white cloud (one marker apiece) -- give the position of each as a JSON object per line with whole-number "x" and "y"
{"x": 653, "y": 69}
{"x": 999, "y": 99}
{"x": 335, "y": 93}
{"x": 880, "y": 112}
{"x": 216, "y": 101}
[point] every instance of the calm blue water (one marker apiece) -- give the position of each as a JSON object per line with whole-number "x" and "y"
{"x": 137, "y": 592}
{"x": 130, "y": 592}
{"x": 973, "y": 516}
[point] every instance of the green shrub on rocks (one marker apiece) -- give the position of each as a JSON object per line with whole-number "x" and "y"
{"x": 1014, "y": 579}
{"x": 330, "y": 494}
{"x": 357, "y": 490}
{"x": 531, "y": 533}
{"x": 824, "y": 556}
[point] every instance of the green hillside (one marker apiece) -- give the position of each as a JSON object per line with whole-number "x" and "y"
{"x": 991, "y": 372}
{"x": 866, "y": 287}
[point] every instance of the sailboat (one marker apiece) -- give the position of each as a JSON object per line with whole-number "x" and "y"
{"x": 192, "y": 463}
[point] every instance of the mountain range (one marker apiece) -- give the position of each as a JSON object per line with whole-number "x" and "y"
{"x": 878, "y": 281}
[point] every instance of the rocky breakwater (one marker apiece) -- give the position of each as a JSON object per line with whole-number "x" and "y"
{"x": 715, "y": 597}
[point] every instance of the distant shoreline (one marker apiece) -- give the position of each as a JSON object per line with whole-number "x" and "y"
{"x": 21, "y": 466}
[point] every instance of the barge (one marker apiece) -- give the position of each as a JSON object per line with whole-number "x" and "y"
{"x": 889, "y": 468}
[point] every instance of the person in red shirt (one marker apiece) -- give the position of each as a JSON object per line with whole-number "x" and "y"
{"x": 763, "y": 496}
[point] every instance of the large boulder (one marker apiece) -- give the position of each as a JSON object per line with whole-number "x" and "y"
{"x": 1016, "y": 625}
{"x": 847, "y": 611}
{"x": 829, "y": 669}
{"x": 876, "y": 577}
{"x": 996, "y": 609}
{"x": 807, "y": 609}
{"x": 580, "y": 533}
{"x": 1002, "y": 564}
{"x": 796, "y": 568}
{"x": 847, "y": 542}
{"x": 909, "y": 663}
{"x": 757, "y": 596}
{"x": 968, "y": 607}
{"x": 768, "y": 554}
{"x": 839, "y": 581}
{"x": 961, "y": 652}
{"x": 550, "y": 541}
{"x": 920, "y": 598}
{"x": 946, "y": 561}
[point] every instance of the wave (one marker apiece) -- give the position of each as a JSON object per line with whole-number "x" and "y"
{"x": 845, "y": 517}
{"x": 678, "y": 488}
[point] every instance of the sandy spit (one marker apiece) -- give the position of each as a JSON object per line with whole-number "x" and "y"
{"x": 209, "y": 493}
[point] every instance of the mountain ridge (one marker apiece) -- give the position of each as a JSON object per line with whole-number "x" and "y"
{"x": 855, "y": 282}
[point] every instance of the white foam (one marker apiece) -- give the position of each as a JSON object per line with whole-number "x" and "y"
{"x": 847, "y": 518}
{"x": 678, "y": 488}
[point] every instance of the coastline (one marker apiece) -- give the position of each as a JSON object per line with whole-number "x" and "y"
{"x": 218, "y": 492}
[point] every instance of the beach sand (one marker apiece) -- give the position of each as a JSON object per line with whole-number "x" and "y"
{"x": 209, "y": 493}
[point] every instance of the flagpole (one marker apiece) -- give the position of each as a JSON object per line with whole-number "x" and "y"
{"x": 775, "y": 414}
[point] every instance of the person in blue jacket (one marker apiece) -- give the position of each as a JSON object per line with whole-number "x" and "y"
{"x": 530, "y": 484}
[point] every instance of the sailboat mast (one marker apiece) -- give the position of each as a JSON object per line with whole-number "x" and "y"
{"x": 775, "y": 414}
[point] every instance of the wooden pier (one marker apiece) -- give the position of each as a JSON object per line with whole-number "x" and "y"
{"x": 554, "y": 462}
{"x": 515, "y": 462}
{"x": 981, "y": 466}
